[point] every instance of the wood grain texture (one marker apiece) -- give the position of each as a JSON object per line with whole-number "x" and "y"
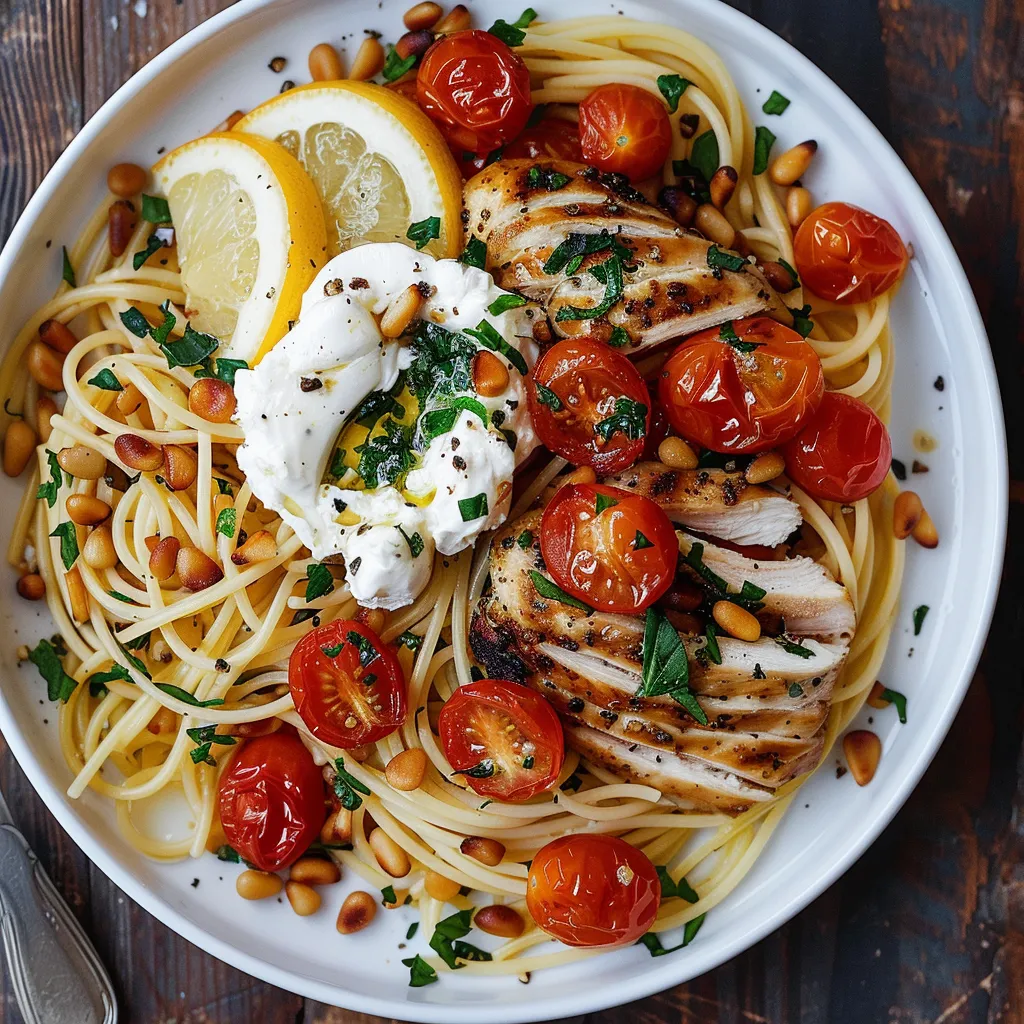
{"x": 929, "y": 925}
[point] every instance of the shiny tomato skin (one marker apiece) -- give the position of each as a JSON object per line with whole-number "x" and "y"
{"x": 846, "y": 254}
{"x": 271, "y": 799}
{"x": 588, "y": 379}
{"x": 843, "y": 453}
{"x": 504, "y": 723}
{"x": 625, "y": 130}
{"x": 476, "y": 89}
{"x": 551, "y": 138}
{"x": 595, "y": 555}
{"x": 733, "y": 401}
{"x": 330, "y": 690}
{"x": 593, "y": 890}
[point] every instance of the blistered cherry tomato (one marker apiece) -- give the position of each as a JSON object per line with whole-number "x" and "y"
{"x": 593, "y": 890}
{"x": 506, "y": 739}
{"x": 589, "y": 404}
{"x": 744, "y": 387}
{"x": 272, "y": 800}
{"x": 347, "y": 684}
{"x": 845, "y": 254}
{"x": 551, "y": 138}
{"x": 626, "y": 130}
{"x": 843, "y": 453}
{"x": 476, "y": 89}
{"x": 611, "y": 548}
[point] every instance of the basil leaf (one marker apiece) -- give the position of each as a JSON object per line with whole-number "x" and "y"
{"x": 347, "y": 787}
{"x": 711, "y": 648}
{"x": 789, "y": 269}
{"x": 226, "y": 519}
{"x": 387, "y": 895}
{"x": 59, "y": 685}
{"x": 629, "y": 418}
{"x": 189, "y": 350}
{"x": 604, "y": 502}
{"x": 187, "y": 698}
{"x": 51, "y": 487}
{"x": 162, "y": 333}
{"x": 775, "y": 104}
{"x": 424, "y": 230}
{"x": 106, "y": 380}
{"x": 546, "y": 178}
{"x": 368, "y": 654}
{"x": 704, "y": 155}
{"x": 792, "y": 647}
{"x": 411, "y": 640}
{"x": 136, "y": 323}
{"x": 670, "y": 887}
{"x": 513, "y": 35}
{"x": 332, "y": 651}
{"x": 568, "y": 255}
{"x": 155, "y": 210}
{"x": 473, "y": 508}
{"x": 764, "y": 139}
{"x": 68, "y": 543}
{"x": 225, "y": 369}
{"x": 665, "y": 668}
{"x": 609, "y": 274}
{"x": 619, "y": 337}
{"x": 504, "y": 302}
{"x": 728, "y": 334}
{"x": 67, "y": 271}
{"x": 720, "y": 258}
{"x": 553, "y": 592}
{"x": 420, "y": 972}
{"x": 547, "y": 397}
{"x": 395, "y": 66}
{"x": 525, "y": 539}
{"x": 802, "y": 322}
{"x": 383, "y": 458}
{"x": 640, "y": 542}
{"x": 672, "y": 88}
{"x": 319, "y": 581}
{"x": 153, "y": 243}
{"x": 897, "y": 699}
{"x": 919, "y": 613}
{"x": 415, "y": 542}
{"x": 475, "y": 254}
{"x": 488, "y": 336}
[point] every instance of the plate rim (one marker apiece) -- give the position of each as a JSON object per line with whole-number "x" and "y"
{"x": 673, "y": 971}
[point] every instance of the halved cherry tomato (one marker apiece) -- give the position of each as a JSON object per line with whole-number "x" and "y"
{"x": 626, "y": 130}
{"x": 506, "y": 739}
{"x": 845, "y": 254}
{"x": 611, "y": 548}
{"x": 593, "y": 890}
{"x": 843, "y": 453}
{"x": 551, "y": 138}
{"x": 476, "y": 89}
{"x": 347, "y": 684}
{"x": 589, "y": 404}
{"x": 743, "y": 387}
{"x": 271, "y": 800}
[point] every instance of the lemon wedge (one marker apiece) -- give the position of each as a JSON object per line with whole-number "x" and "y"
{"x": 378, "y": 162}
{"x": 250, "y": 235}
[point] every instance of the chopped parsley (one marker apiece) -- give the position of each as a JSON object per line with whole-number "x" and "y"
{"x": 473, "y": 508}
{"x": 775, "y": 104}
{"x": 424, "y": 231}
{"x": 319, "y": 581}
{"x": 672, "y": 88}
{"x": 59, "y": 685}
{"x": 665, "y": 667}
{"x": 553, "y": 592}
{"x": 347, "y": 787}
{"x": 106, "y": 380}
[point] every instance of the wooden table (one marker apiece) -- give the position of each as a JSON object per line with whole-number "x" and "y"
{"x": 929, "y": 925}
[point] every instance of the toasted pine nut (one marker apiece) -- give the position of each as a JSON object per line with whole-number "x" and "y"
{"x": 863, "y": 750}
{"x": 99, "y": 551}
{"x": 325, "y": 63}
{"x": 374, "y": 618}
{"x": 151, "y": 542}
{"x": 368, "y": 61}
{"x": 129, "y": 400}
{"x": 196, "y": 569}
{"x": 490, "y": 376}
{"x": 161, "y": 651}
{"x": 501, "y": 920}
{"x": 925, "y": 533}
{"x": 46, "y": 366}
{"x": 711, "y": 223}
{"x": 675, "y": 453}
{"x": 400, "y": 311}
{"x": 439, "y": 887}
{"x": 414, "y": 43}
{"x": 405, "y": 770}
{"x": 423, "y": 15}
{"x": 305, "y": 900}
{"x": 163, "y": 722}
{"x": 257, "y": 548}
{"x": 77, "y": 594}
{"x": 82, "y": 461}
{"x": 458, "y": 19}
{"x": 390, "y": 856}
{"x": 212, "y": 399}
{"x": 487, "y": 851}
{"x": 875, "y": 698}
{"x": 31, "y": 586}
{"x": 182, "y": 466}
{"x": 58, "y": 336}
{"x": 764, "y": 468}
{"x": 45, "y": 408}
{"x": 680, "y": 205}
{"x": 315, "y": 871}
{"x": 798, "y": 205}
{"x": 778, "y": 276}
{"x": 736, "y": 621}
{"x": 580, "y": 475}
{"x": 258, "y": 885}
{"x": 358, "y": 910}
{"x": 121, "y": 222}
{"x": 19, "y": 444}
{"x": 907, "y": 511}
{"x": 790, "y": 166}
{"x": 86, "y": 510}
{"x": 222, "y": 502}
{"x": 138, "y": 453}
{"x": 163, "y": 558}
{"x": 126, "y": 180}
{"x": 337, "y": 828}
{"x": 722, "y": 185}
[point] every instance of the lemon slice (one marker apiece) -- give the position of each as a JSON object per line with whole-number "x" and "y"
{"x": 250, "y": 235}
{"x": 378, "y": 162}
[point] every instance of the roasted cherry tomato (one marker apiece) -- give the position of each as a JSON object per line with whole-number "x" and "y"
{"x": 551, "y": 138}
{"x": 272, "y": 800}
{"x": 476, "y": 89}
{"x": 347, "y": 684}
{"x": 626, "y": 130}
{"x": 743, "y": 387}
{"x": 589, "y": 404}
{"x": 843, "y": 453}
{"x": 845, "y": 254}
{"x": 506, "y": 739}
{"x": 611, "y": 548}
{"x": 593, "y": 890}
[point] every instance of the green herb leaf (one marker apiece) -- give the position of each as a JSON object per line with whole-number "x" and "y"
{"x": 547, "y": 178}
{"x": 189, "y": 350}
{"x": 899, "y": 700}
{"x": 525, "y": 539}
{"x": 136, "y": 323}
{"x": 488, "y": 336}
{"x": 728, "y": 334}
{"x": 155, "y": 210}
{"x": 228, "y": 854}
{"x": 553, "y": 592}
{"x": 604, "y": 502}
{"x": 424, "y": 231}
{"x": 347, "y": 787}
{"x": 758, "y": 671}
{"x": 185, "y": 697}
{"x": 475, "y": 254}
{"x": 153, "y": 244}
{"x": 395, "y": 66}
{"x": 711, "y": 648}
{"x": 504, "y": 302}
{"x": 467, "y": 951}
{"x": 619, "y": 337}
{"x": 789, "y": 269}
{"x": 413, "y": 641}
{"x": 672, "y": 88}
{"x": 446, "y": 932}
{"x": 764, "y": 139}
{"x": 795, "y": 690}
{"x": 441, "y": 421}
{"x": 629, "y": 418}
{"x": 383, "y": 458}
{"x": 791, "y": 647}
{"x": 106, "y": 380}
{"x": 67, "y": 271}
{"x": 919, "y": 613}
{"x": 319, "y": 581}
{"x": 473, "y": 508}
{"x": 98, "y": 680}
{"x": 640, "y": 542}
{"x": 48, "y": 491}
{"x": 224, "y": 487}
{"x": 117, "y": 595}
{"x": 420, "y": 972}
{"x": 204, "y": 737}
{"x": 226, "y": 521}
{"x": 163, "y": 332}
{"x": 671, "y": 888}
{"x": 802, "y": 322}
{"x": 720, "y": 258}
{"x": 609, "y": 274}
{"x": 513, "y": 35}
{"x": 59, "y": 685}
{"x": 332, "y": 651}
{"x": 704, "y": 155}
{"x": 413, "y": 928}
{"x": 691, "y": 928}
{"x": 665, "y": 668}
{"x": 571, "y": 784}
{"x": 569, "y": 255}
{"x": 68, "y": 543}
{"x": 547, "y": 397}
{"x": 775, "y": 104}
{"x": 225, "y": 369}
{"x": 368, "y": 654}
{"x": 415, "y": 542}
{"x": 387, "y": 895}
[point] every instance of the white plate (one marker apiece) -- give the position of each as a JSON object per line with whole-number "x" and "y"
{"x": 221, "y": 66}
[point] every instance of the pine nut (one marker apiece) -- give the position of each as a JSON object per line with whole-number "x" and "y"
{"x": 390, "y": 856}
{"x": 126, "y": 180}
{"x": 501, "y": 920}
{"x": 676, "y": 202}
{"x": 82, "y": 462}
{"x": 764, "y": 468}
{"x": 77, "y": 595}
{"x": 580, "y": 475}
{"x": 31, "y": 586}
{"x": 777, "y": 276}
{"x": 337, "y": 828}
{"x": 711, "y": 223}
{"x": 163, "y": 559}
{"x": 875, "y": 698}
{"x": 683, "y": 622}
{"x": 414, "y": 44}
{"x": 458, "y": 19}
{"x": 925, "y": 533}
{"x": 736, "y": 621}
{"x": 440, "y": 888}
{"x": 258, "y": 885}
{"x": 315, "y": 871}
{"x": 182, "y": 466}
{"x": 151, "y": 542}
{"x": 675, "y": 453}
{"x": 790, "y": 166}
{"x": 257, "y": 548}
{"x": 212, "y": 399}
{"x": 232, "y": 119}
{"x": 400, "y": 311}
{"x": 196, "y": 569}
{"x": 86, "y": 510}
{"x": 99, "y": 551}
{"x": 129, "y": 400}
{"x": 45, "y": 408}
{"x": 424, "y": 15}
{"x": 863, "y": 750}
{"x": 907, "y": 511}
{"x": 121, "y": 222}
{"x": 305, "y": 900}
{"x": 325, "y": 63}
{"x": 46, "y": 366}
{"x": 490, "y": 376}
{"x": 19, "y": 444}
{"x": 58, "y": 336}
{"x": 368, "y": 61}
{"x": 405, "y": 770}
{"x": 722, "y": 185}
{"x": 798, "y": 205}
{"x": 487, "y": 851}
{"x": 138, "y": 453}
{"x": 161, "y": 651}
{"x": 358, "y": 910}
{"x": 373, "y": 618}
{"x": 163, "y": 722}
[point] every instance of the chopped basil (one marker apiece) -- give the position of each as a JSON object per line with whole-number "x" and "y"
{"x": 571, "y": 784}
{"x": 98, "y": 680}
{"x": 441, "y": 421}
{"x": 413, "y": 928}
{"x": 486, "y": 334}
{"x": 475, "y": 254}
{"x": 446, "y": 932}
{"x": 609, "y": 274}
{"x": 226, "y": 521}
{"x": 68, "y": 543}
{"x": 802, "y": 322}
{"x": 378, "y": 404}
{"x": 704, "y": 155}
{"x": 897, "y": 699}
{"x": 59, "y": 685}
{"x": 721, "y": 258}
{"x": 415, "y": 542}
{"x": 640, "y": 542}
{"x": 528, "y": 762}
{"x": 553, "y": 592}
{"x": 569, "y": 255}
{"x": 795, "y": 690}
{"x": 629, "y": 418}
{"x": 789, "y": 269}
{"x": 162, "y": 333}
{"x": 666, "y": 669}
{"x": 332, "y": 651}
{"x": 224, "y": 487}
{"x": 204, "y": 737}
{"x": 604, "y": 502}
{"x": 424, "y": 230}
{"x": 191, "y": 349}
{"x": 525, "y": 539}
{"x": 155, "y": 210}
{"x": 619, "y": 337}
{"x": 413, "y": 641}
{"x": 228, "y": 854}
{"x": 68, "y": 271}
{"x": 106, "y": 380}
{"x": 51, "y": 487}
{"x": 691, "y": 928}
{"x": 764, "y": 139}
{"x": 711, "y": 648}
{"x": 388, "y": 897}
{"x": 185, "y": 697}
{"x": 758, "y": 671}
{"x": 792, "y": 647}
{"x": 653, "y": 943}
{"x": 547, "y": 397}
{"x": 420, "y": 972}
{"x": 481, "y": 770}
{"x": 504, "y": 302}
{"x": 513, "y": 35}
{"x": 140, "y": 643}
{"x": 319, "y": 581}
{"x": 136, "y": 323}
{"x": 222, "y": 368}
{"x": 728, "y": 334}
{"x": 899, "y": 470}
{"x": 347, "y": 787}
{"x": 546, "y": 178}
{"x": 775, "y": 104}
{"x": 467, "y": 951}
{"x": 670, "y": 887}
{"x": 118, "y": 596}
{"x": 395, "y": 66}
{"x": 919, "y": 613}
{"x": 672, "y": 88}
{"x": 473, "y": 508}
{"x": 368, "y": 654}
{"x": 153, "y": 244}
{"x": 383, "y": 458}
